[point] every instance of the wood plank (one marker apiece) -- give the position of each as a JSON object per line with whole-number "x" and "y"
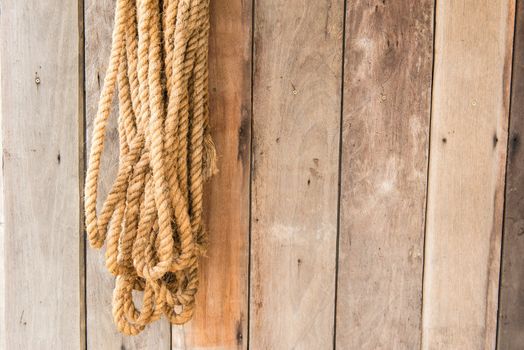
{"x": 296, "y": 128}
{"x": 387, "y": 94}
{"x": 511, "y": 308}
{"x": 473, "y": 50}
{"x": 101, "y": 331}
{"x": 220, "y": 320}
{"x": 41, "y": 128}
{"x": 2, "y": 234}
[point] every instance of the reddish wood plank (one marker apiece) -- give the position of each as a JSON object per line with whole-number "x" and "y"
{"x": 220, "y": 320}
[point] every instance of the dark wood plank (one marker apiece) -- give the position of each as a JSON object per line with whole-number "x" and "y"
{"x": 296, "y": 126}
{"x": 511, "y": 308}
{"x": 387, "y": 93}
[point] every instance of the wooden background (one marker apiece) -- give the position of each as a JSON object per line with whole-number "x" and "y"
{"x": 371, "y": 184}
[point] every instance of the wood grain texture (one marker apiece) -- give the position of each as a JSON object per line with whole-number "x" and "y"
{"x": 473, "y": 50}
{"x": 220, "y": 320}
{"x": 296, "y": 127}
{"x": 101, "y": 331}
{"x": 511, "y": 308}
{"x": 41, "y": 124}
{"x": 387, "y": 94}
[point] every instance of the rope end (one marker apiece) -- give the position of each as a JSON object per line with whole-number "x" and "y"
{"x": 210, "y": 157}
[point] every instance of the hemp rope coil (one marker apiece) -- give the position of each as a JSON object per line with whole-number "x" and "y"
{"x": 152, "y": 216}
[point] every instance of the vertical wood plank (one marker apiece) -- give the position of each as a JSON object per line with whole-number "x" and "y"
{"x": 296, "y": 127}
{"x": 387, "y": 93}
{"x": 41, "y": 124}
{"x": 2, "y": 233}
{"x": 220, "y": 320}
{"x": 101, "y": 331}
{"x": 473, "y": 50}
{"x": 511, "y": 308}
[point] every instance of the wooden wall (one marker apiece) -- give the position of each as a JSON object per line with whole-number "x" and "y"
{"x": 369, "y": 191}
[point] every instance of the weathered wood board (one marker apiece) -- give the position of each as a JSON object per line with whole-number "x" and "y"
{"x": 220, "y": 320}
{"x": 387, "y": 97}
{"x": 296, "y": 127}
{"x": 42, "y": 143}
{"x": 511, "y": 308}
{"x": 473, "y": 51}
{"x": 2, "y": 234}
{"x": 101, "y": 331}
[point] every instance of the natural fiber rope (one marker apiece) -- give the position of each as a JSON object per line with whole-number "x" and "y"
{"x": 152, "y": 217}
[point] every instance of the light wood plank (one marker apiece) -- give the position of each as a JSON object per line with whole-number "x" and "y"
{"x": 296, "y": 119}
{"x": 41, "y": 125}
{"x": 511, "y": 308}
{"x": 220, "y": 320}
{"x": 101, "y": 331}
{"x": 473, "y": 48}
{"x": 2, "y": 233}
{"x": 387, "y": 93}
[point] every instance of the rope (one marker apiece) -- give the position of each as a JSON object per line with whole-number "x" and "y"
{"x": 151, "y": 219}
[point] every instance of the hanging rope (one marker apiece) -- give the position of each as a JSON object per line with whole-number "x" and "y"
{"x": 151, "y": 219}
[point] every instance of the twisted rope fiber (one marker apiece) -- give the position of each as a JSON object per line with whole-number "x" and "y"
{"x": 151, "y": 219}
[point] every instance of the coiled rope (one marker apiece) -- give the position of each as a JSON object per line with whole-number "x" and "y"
{"x": 152, "y": 217}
